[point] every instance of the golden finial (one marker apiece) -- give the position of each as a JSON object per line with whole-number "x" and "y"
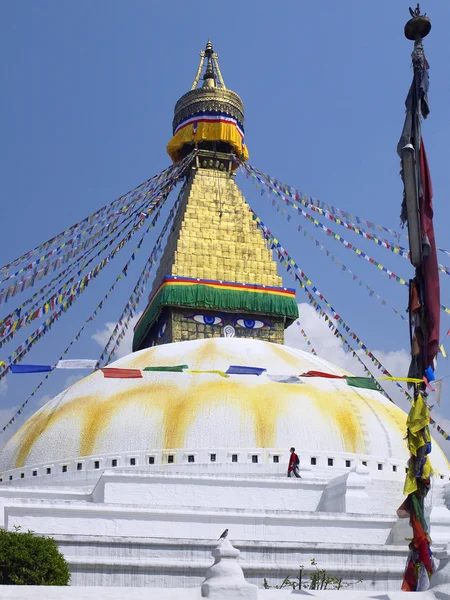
{"x": 212, "y": 72}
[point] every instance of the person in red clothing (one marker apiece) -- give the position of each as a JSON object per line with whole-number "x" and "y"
{"x": 293, "y": 464}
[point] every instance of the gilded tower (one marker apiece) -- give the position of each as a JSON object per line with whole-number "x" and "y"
{"x": 217, "y": 276}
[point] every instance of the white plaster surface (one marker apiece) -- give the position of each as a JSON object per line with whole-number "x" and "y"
{"x": 206, "y": 411}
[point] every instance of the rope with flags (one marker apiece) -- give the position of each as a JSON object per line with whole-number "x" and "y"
{"x": 101, "y": 215}
{"x": 93, "y": 315}
{"x": 372, "y": 293}
{"x": 318, "y": 206}
{"x": 136, "y": 295}
{"x": 147, "y": 204}
{"x": 72, "y": 288}
{"x": 40, "y": 268}
{"x": 289, "y": 263}
{"x": 350, "y": 246}
{"x": 70, "y": 295}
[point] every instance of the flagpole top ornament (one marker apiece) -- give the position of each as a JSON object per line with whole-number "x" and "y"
{"x": 419, "y": 26}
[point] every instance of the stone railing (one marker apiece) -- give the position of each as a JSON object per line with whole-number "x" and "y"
{"x": 268, "y": 461}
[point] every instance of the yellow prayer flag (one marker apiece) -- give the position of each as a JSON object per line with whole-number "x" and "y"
{"x": 215, "y": 371}
{"x": 419, "y": 416}
{"x": 410, "y": 483}
{"x": 442, "y": 349}
{"x": 406, "y": 379}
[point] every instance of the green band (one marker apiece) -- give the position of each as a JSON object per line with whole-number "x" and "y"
{"x": 210, "y": 298}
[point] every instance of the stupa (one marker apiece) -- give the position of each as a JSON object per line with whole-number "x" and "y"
{"x": 136, "y": 478}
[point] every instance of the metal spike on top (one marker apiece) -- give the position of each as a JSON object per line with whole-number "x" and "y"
{"x": 212, "y": 75}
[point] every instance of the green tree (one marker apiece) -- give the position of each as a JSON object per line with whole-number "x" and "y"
{"x": 28, "y": 559}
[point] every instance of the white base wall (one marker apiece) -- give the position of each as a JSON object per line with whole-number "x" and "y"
{"x": 140, "y": 528}
{"x": 156, "y": 562}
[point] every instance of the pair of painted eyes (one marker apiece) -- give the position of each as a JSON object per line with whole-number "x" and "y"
{"x": 247, "y": 323}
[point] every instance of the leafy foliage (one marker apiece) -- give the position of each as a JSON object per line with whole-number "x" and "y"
{"x": 27, "y": 559}
{"x": 317, "y": 579}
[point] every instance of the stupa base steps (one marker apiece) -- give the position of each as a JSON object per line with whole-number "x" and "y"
{"x": 156, "y": 562}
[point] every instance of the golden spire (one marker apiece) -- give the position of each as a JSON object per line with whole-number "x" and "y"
{"x": 210, "y": 115}
{"x": 212, "y": 77}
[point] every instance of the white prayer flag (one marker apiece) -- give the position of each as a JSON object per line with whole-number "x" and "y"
{"x": 77, "y": 363}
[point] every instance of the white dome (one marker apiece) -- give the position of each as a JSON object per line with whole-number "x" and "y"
{"x": 166, "y": 410}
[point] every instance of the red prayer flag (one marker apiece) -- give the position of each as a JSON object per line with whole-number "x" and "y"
{"x": 430, "y": 263}
{"x": 113, "y": 373}
{"x": 321, "y": 374}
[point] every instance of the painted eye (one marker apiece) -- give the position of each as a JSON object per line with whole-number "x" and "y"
{"x": 208, "y": 319}
{"x": 251, "y": 323}
{"x": 162, "y": 329}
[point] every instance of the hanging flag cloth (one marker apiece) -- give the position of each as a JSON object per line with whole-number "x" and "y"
{"x": 321, "y": 374}
{"x": 114, "y": 373}
{"x": 173, "y": 369}
{"x": 240, "y": 370}
{"x": 30, "y": 368}
{"x": 76, "y": 363}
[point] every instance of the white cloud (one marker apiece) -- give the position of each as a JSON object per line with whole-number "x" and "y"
{"x": 43, "y": 400}
{"x": 332, "y": 349}
{"x": 102, "y": 336}
{"x": 74, "y": 378}
{"x": 5, "y": 416}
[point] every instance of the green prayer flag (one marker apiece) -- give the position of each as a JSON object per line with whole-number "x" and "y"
{"x": 174, "y": 369}
{"x": 362, "y": 382}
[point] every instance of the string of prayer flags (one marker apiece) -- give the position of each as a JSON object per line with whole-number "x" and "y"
{"x": 242, "y": 370}
{"x": 319, "y": 204}
{"x": 121, "y": 204}
{"x": 315, "y": 205}
{"x": 70, "y": 287}
{"x": 299, "y": 275}
{"x": 344, "y": 268}
{"x": 345, "y": 243}
{"x": 284, "y": 194}
{"x": 74, "y": 340}
{"x": 78, "y": 289}
{"x": 48, "y": 325}
{"x": 149, "y": 204}
{"x": 136, "y": 295}
{"x": 115, "y": 373}
{"x": 306, "y": 338}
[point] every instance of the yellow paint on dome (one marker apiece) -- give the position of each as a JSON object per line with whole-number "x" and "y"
{"x": 284, "y": 355}
{"x": 257, "y": 403}
{"x": 340, "y": 414}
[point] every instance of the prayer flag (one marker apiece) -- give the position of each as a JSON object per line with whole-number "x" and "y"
{"x": 362, "y": 382}
{"x": 240, "y": 370}
{"x": 113, "y": 373}
{"x": 30, "y": 368}
{"x": 173, "y": 369}
{"x": 321, "y": 374}
{"x": 77, "y": 363}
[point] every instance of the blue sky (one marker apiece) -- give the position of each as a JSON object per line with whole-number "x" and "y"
{"x": 88, "y": 90}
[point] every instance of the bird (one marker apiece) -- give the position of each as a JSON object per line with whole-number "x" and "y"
{"x": 224, "y": 535}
